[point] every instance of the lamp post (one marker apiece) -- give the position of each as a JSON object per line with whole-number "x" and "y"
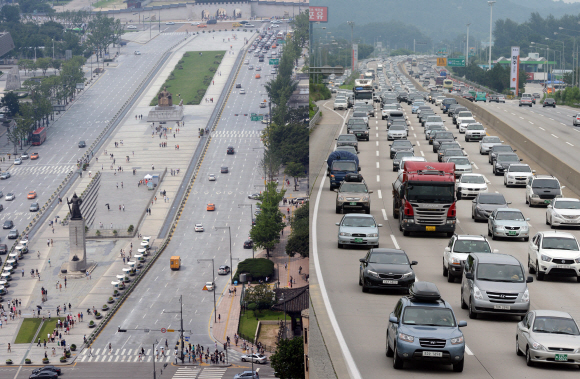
{"x": 213, "y": 284}
{"x": 547, "y": 59}
{"x": 490, "y": 25}
{"x": 562, "y": 64}
{"x": 467, "y": 47}
{"x": 230, "y": 235}
{"x": 152, "y": 350}
{"x": 351, "y": 24}
{"x": 182, "y": 356}
{"x": 284, "y": 301}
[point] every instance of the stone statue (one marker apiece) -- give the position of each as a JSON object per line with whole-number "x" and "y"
{"x": 75, "y": 212}
{"x": 164, "y": 98}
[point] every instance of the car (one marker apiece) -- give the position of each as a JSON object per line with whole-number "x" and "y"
{"x": 8, "y": 224}
{"x": 576, "y": 120}
{"x": 358, "y": 230}
{"x": 549, "y": 102}
{"x": 170, "y": 23}
{"x": 248, "y": 244}
{"x": 211, "y": 177}
{"x": 464, "y": 123}
{"x": 254, "y": 196}
{"x": 137, "y": 52}
{"x": 527, "y": 99}
{"x": 258, "y": 68}
{"x": 249, "y": 25}
{"x": 210, "y": 286}
{"x": 347, "y": 140}
{"x": 242, "y": 91}
{"x": 224, "y": 170}
{"x": 82, "y": 144}
{"x": 31, "y": 195}
{"x": 448, "y": 152}
{"x": 34, "y": 156}
{"x": 131, "y": 27}
{"x": 211, "y": 207}
{"x": 563, "y": 211}
{"x": 508, "y": 223}
{"x": 353, "y": 196}
{"x": 238, "y": 85}
{"x": 496, "y": 149}
{"x": 517, "y": 174}
{"x": 25, "y": 155}
{"x": 503, "y": 161}
{"x": 250, "y": 67}
{"x": 223, "y": 270}
{"x": 202, "y": 26}
{"x": 386, "y": 269}
{"x": 256, "y": 358}
{"x": 44, "y": 375}
{"x": 438, "y": 137}
{"x": 542, "y": 189}
{"x": 474, "y": 132}
{"x": 400, "y": 145}
{"x": 397, "y": 132}
{"x": 494, "y": 284}
{"x": 247, "y": 375}
{"x": 198, "y": 227}
{"x": 34, "y": 207}
{"x": 18, "y": 161}
{"x": 4, "y": 175}
{"x": 554, "y": 253}
{"x": 410, "y": 159}
{"x": 257, "y": 76}
{"x": 10, "y": 196}
{"x": 470, "y": 184}
{"x": 47, "y": 368}
{"x": 3, "y": 249}
{"x": 541, "y": 329}
{"x": 340, "y": 104}
{"x": 13, "y": 234}
{"x": 398, "y": 156}
{"x": 423, "y": 326}
{"x": 485, "y": 203}
{"x": 457, "y": 250}
{"x": 230, "y": 150}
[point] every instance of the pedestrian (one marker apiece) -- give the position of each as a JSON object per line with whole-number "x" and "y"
{"x": 48, "y": 242}
{"x": 110, "y": 348}
{"x": 49, "y": 263}
{"x": 60, "y": 287}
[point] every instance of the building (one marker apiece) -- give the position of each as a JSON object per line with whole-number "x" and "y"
{"x": 299, "y": 97}
{"x": 530, "y": 64}
{"x": 6, "y": 43}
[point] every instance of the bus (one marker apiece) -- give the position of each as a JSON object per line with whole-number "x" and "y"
{"x": 38, "y": 136}
{"x": 439, "y": 80}
{"x": 448, "y": 84}
{"x": 414, "y": 62}
{"x": 380, "y": 68}
{"x": 363, "y": 90}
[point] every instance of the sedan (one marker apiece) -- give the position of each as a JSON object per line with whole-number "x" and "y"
{"x": 25, "y": 155}
{"x": 549, "y": 102}
{"x": 31, "y": 195}
{"x": 386, "y": 269}
{"x": 541, "y": 329}
{"x": 8, "y": 224}
{"x": 485, "y": 203}
{"x": 398, "y": 156}
{"x": 517, "y": 175}
{"x": 224, "y": 270}
{"x": 34, "y": 207}
{"x": 209, "y": 286}
{"x": 242, "y": 91}
{"x": 211, "y": 207}
{"x": 471, "y": 185}
{"x": 10, "y": 196}
{"x": 131, "y": 27}
{"x": 250, "y": 67}
{"x": 82, "y": 144}
{"x": 248, "y": 244}
{"x": 13, "y": 234}
{"x": 198, "y": 227}
{"x": 4, "y": 175}
{"x": 18, "y": 161}
{"x": 170, "y": 23}
{"x": 47, "y": 368}
{"x": 256, "y": 358}
{"x": 254, "y": 196}
{"x": 230, "y": 150}
{"x": 503, "y": 161}
{"x": 44, "y": 375}
{"x": 211, "y": 177}
{"x": 397, "y": 132}
{"x": 509, "y": 223}
{"x": 462, "y": 165}
{"x": 258, "y": 68}
{"x": 359, "y": 230}
{"x": 34, "y": 156}
{"x": 247, "y": 375}
{"x": 3, "y": 248}
{"x": 563, "y": 212}
{"x": 487, "y": 142}
{"x": 400, "y": 145}
{"x": 224, "y": 170}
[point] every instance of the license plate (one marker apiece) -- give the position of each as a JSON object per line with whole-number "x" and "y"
{"x": 561, "y": 357}
{"x": 563, "y": 266}
{"x": 358, "y": 240}
{"x": 503, "y": 307}
{"x": 430, "y": 228}
{"x": 358, "y": 134}
{"x": 390, "y": 282}
{"x": 432, "y": 354}
{"x": 512, "y": 233}
{"x": 547, "y": 201}
{"x": 353, "y": 203}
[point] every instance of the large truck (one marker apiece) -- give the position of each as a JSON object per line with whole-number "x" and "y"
{"x": 340, "y": 164}
{"x": 363, "y": 90}
{"x": 424, "y": 198}
{"x": 439, "y": 80}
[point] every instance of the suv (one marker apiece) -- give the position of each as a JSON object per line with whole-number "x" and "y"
{"x": 456, "y": 252}
{"x": 359, "y": 230}
{"x": 340, "y": 104}
{"x": 527, "y": 99}
{"x": 353, "y": 195}
{"x": 423, "y": 327}
{"x": 542, "y": 189}
{"x": 558, "y": 253}
{"x": 549, "y": 102}
{"x": 474, "y": 132}
{"x": 494, "y": 284}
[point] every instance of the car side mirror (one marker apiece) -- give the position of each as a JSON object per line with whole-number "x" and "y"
{"x": 414, "y": 263}
{"x": 509, "y": 202}
{"x": 379, "y": 225}
{"x": 473, "y": 201}
{"x": 469, "y": 275}
{"x": 530, "y": 279}
{"x": 362, "y": 260}
{"x": 447, "y": 249}
{"x": 393, "y": 319}
{"x": 454, "y": 137}
{"x": 562, "y": 187}
{"x": 521, "y": 160}
{"x": 527, "y": 219}
{"x": 337, "y": 224}
{"x": 462, "y": 323}
{"x": 549, "y": 206}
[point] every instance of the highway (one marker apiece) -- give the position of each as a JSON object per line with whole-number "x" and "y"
{"x": 362, "y": 318}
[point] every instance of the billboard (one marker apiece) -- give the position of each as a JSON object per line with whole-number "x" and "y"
{"x": 515, "y": 69}
{"x": 354, "y": 56}
{"x": 441, "y": 62}
{"x": 318, "y": 14}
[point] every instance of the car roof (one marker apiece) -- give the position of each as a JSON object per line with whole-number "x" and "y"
{"x": 546, "y": 312}
{"x": 495, "y": 258}
{"x": 550, "y": 233}
{"x": 470, "y": 237}
{"x": 385, "y": 250}
{"x": 566, "y": 199}
{"x": 508, "y": 210}
{"x": 358, "y": 215}
{"x": 471, "y": 174}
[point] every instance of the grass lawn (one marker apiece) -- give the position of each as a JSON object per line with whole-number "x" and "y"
{"x": 48, "y": 327}
{"x": 191, "y": 77}
{"x": 27, "y": 330}
{"x": 248, "y": 322}
{"x": 107, "y": 3}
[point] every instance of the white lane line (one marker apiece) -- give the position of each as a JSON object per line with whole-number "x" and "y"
{"x": 412, "y": 128}
{"x": 377, "y": 142}
{"x": 531, "y": 122}
{"x": 541, "y": 114}
{"x": 551, "y": 118}
{"x": 377, "y": 153}
{"x": 377, "y": 136}
{"x": 378, "y": 178}
{"x": 384, "y": 214}
{"x": 563, "y": 123}
{"x": 468, "y": 350}
{"x": 418, "y": 144}
{"x": 569, "y": 144}
{"x": 380, "y": 194}
{"x": 422, "y": 153}
{"x": 555, "y": 136}
{"x": 514, "y": 114}
{"x": 395, "y": 241}
{"x": 474, "y": 165}
{"x": 541, "y": 128}
{"x": 377, "y": 164}
{"x": 376, "y": 128}
{"x": 521, "y": 117}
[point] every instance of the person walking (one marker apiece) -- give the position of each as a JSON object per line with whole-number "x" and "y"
{"x": 110, "y": 348}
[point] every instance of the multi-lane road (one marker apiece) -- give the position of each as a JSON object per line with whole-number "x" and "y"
{"x": 361, "y": 318}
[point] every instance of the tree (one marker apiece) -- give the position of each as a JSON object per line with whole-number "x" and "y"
{"x": 288, "y": 360}
{"x": 261, "y": 296}
{"x": 269, "y": 223}
{"x": 298, "y": 242}
{"x": 43, "y": 64}
{"x": 10, "y": 102}
{"x": 270, "y": 164}
{"x": 10, "y": 13}
{"x": 56, "y": 64}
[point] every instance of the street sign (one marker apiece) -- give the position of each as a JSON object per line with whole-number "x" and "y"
{"x": 456, "y": 62}
{"x": 205, "y": 287}
{"x": 171, "y": 330}
{"x": 186, "y": 338}
{"x": 253, "y": 118}
{"x": 163, "y": 330}
{"x": 274, "y": 61}
{"x": 441, "y": 62}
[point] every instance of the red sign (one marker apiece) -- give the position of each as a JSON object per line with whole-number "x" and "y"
{"x": 318, "y": 14}
{"x": 163, "y": 330}
{"x": 530, "y": 75}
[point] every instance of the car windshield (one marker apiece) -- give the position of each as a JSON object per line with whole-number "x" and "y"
{"x": 354, "y": 187}
{"x": 464, "y": 114}
{"x": 402, "y": 154}
{"x": 545, "y": 183}
{"x": 467, "y": 121}
{"x": 501, "y": 148}
{"x": 356, "y": 121}
{"x": 429, "y": 316}
{"x": 491, "y": 199}
{"x": 555, "y": 325}
{"x": 397, "y": 127}
{"x": 349, "y": 138}
{"x": 516, "y": 168}
{"x": 500, "y": 273}
{"x": 359, "y": 222}
{"x": 560, "y": 243}
{"x": 343, "y": 166}
{"x": 418, "y": 103}
{"x": 388, "y": 258}
{"x": 459, "y": 161}
{"x": 566, "y": 204}
{"x": 431, "y": 192}
{"x": 475, "y": 127}
{"x": 359, "y": 114}
{"x": 403, "y": 143}
{"x": 507, "y": 158}
{"x": 510, "y": 215}
{"x": 445, "y": 135}
{"x": 476, "y": 179}
{"x": 453, "y": 152}
{"x": 434, "y": 119}
{"x": 469, "y": 246}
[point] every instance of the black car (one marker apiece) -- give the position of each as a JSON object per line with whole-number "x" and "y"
{"x": 401, "y": 145}
{"x": 47, "y": 368}
{"x": 13, "y": 234}
{"x": 8, "y": 224}
{"x": 386, "y": 269}
{"x": 485, "y": 203}
{"x": 231, "y": 150}
{"x": 248, "y": 244}
{"x": 497, "y": 149}
{"x": 82, "y": 144}
{"x": 398, "y": 156}
{"x": 238, "y": 85}
{"x": 254, "y": 196}
{"x": 44, "y": 375}
{"x": 549, "y": 102}
{"x": 224, "y": 170}
{"x": 503, "y": 161}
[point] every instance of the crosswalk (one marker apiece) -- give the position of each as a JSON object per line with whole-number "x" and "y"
{"x": 199, "y": 373}
{"x": 132, "y": 355}
{"x": 236, "y": 133}
{"x": 41, "y": 169}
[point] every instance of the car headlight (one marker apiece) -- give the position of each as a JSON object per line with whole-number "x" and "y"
{"x": 456, "y": 340}
{"x": 577, "y": 260}
{"x": 538, "y": 346}
{"x": 340, "y": 198}
{"x": 477, "y": 295}
{"x": 455, "y": 261}
{"x": 557, "y": 215}
{"x": 407, "y": 275}
{"x": 372, "y": 235}
{"x": 526, "y": 296}
{"x": 577, "y": 351}
{"x": 372, "y": 273}
{"x": 534, "y": 195}
{"x": 345, "y": 234}
{"x": 545, "y": 258}
{"x": 499, "y": 227}
{"x": 524, "y": 227}
{"x": 406, "y": 337}
{"x": 365, "y": 198}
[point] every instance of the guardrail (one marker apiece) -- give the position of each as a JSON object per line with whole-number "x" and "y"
{"x": 315, "y": 119}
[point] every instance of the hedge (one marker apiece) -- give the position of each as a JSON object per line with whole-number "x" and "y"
{"x": 256, "y": 268}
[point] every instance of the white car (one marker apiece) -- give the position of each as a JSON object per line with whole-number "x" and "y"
{"x": 195, "y": 23}
{"x": 242, "y": 91}
{"x": 412, "y": 159}
{"x": 131, "y": 27}
{"x": 457, "y": 250}
{"x": 137, "y": 52}
{"x": 10, "y": 196}
{"x": 517, "y": 174}
{"x": 554, "y": 253}
{"x": 199, "y": 227}
{"x": 474, "y": 132}
{"x": 340, "y": 104}
{"x": 211, "y": 177}
{"x": 465, "y": 123}
{"x": 256, "y": 358}
{"x": 209, "y": 286}
{"x": 275, "y": 26}
{"x": 563, "y": 211}
{"x": 258, "y": 68}
{"x": 249, "y": 25}
{"x": 250, "y": 67}
{"x": 170, "y": 23}
{"x": 462, "y": 165}
{"x": 18, "y": 161}
{"x": 469, "y": 185}
{"x": 247, "y": 61}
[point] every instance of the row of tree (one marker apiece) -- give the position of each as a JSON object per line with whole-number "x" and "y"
{"x": 498, "y": 78}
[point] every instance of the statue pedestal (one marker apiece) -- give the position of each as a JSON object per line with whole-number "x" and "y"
{"x": 78, "y": 255}
{"x": 165, "y": 113}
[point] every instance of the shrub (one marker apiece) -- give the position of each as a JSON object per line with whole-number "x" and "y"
{"x": 63, "y": 359}
{"x": 27, "y": 361}
{"x": 86, "y": 228}
{"x": 98, "y": 233}
{"x": 114, "y": 232}
{"x": 130, "y": 229}
{"x": 9, "y": 361}
{"x": 256, "y": 268}
{"x": 73, "y": 347}
{"x": 45, "y": 360}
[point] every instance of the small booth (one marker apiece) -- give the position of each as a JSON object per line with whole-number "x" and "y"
{"x": 6, "y": 276}
{"x": 142, "y": 251}
{"x": 152, "y": 181}
{"x": 140, "y": 258}
{"x": 20, "y": 249}
{"x": 24, "y": 244}
{"x": 115, "y": 283}
{"x": 4, "y": 283}
{"x": 12, "y": 262}
{"x": 16, "y": 254}
{"x": 8, "y": 268}
{"x": 3, "y": 291}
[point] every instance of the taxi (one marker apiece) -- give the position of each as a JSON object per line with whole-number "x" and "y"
{"x": 31, "y": 195}
{"x": 202, "y": 26}
{"x": 258, "y": 76}
{"x": 34, "y": 156}
{"x": 211, "y": 207}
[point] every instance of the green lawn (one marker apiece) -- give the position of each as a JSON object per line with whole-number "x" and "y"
{"x": 191, "y": 77}
{"x": 28, "y": 330}
{"x": 248, "y": 322}
{"x": 106, "y": 3}
{"x": 48, "y": 327}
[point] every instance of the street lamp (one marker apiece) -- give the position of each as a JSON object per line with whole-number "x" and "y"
{"x": 282, "y": 299}
{"x": 153, "y": 349}
{"x": 181, "y": 330}
{"x": 467, "y": 47}
{"x": 230, "y": 235}
{"x": 213, "y": 284}
{"x": 562, "y": 63}
{"x": 351, "y": 24}
{"x": 490, "y": 25}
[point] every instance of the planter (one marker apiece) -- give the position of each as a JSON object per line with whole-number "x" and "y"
{"x": 62, "y": 359}
{"x": 9, "y": 361}
{"x": 27, "y": 361}
{"x": 111, "y": 300}
{"x": 92, "y": 324}
{"x": 45, "y": 360}
{"x": 98, "y": 316}
{"x": 67, "y": 354}
{"x": 73, "y": 347}
{"x": 105, "y": 307}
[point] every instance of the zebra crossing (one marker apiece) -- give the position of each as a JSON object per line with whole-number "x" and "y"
{"x": 199, "y": 373}
{"x": 236, "y": 133}
{"x": 42, "y": 169}
{"x": 121, "y": 355}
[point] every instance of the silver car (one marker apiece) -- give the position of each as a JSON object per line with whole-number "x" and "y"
{"x": 358, "y": 230}
{"x": 397, "y": 132}
{"x": 462, "y": 165}
{"x": 487, "y": 142}
{"x": 538, "y": 334}
{"x": 508, "y": 223}
{"x": 256, "y": 358}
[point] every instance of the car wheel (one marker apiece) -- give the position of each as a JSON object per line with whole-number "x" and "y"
{"x": 472, "y": 314}
{"x": 458, "y": 367}
{"x": 526, "y": 239}
{"x": 518, "y": 351}
{"x": 531, "y": 270}
{"x": 529, "y": 358}
{"x": 445, "y": 270}
{"x": 527, "y": 202}
{"x": 365, "y": 289}
{"x": 397, "y": 361}
{"x": 458, "y": 195}
{"x": 338, "y": 210}
{"x": 389, "y": 350}
{"x": 450, "y": 278}
{"x": 340, "y": 245}
{"x": 539, "y": 274}
{"x": 493, "y": 236}
{"x": 243, "y": 359}
{"x": 463, "y": 305}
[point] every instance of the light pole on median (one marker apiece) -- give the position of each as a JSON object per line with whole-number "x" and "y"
{"x": 231, "y": 265}
{"x": 212, "y": 282}
{"x": 182, "y": 356}
{"x": 490, "y": 25}
{"x": 467, "y": 47}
